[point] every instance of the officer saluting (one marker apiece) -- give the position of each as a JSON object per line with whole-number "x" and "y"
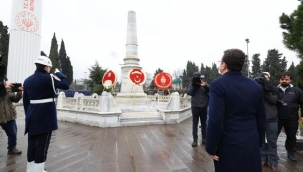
{"x": 40, "y": 110}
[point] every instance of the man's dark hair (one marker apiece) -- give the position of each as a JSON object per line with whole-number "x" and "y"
{"x": 282, "y": 76}
{"x": 234, "y": 59}
{"x": 40, "y": 65}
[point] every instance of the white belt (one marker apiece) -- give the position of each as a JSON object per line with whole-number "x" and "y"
{"x": 42, "y": 101}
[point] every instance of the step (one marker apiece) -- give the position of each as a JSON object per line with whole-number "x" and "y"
{"x": 140, "y": 123}
{"x": 136, "y": 119}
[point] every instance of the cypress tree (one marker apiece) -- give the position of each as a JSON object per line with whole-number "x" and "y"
{"x": 53, "y": 54}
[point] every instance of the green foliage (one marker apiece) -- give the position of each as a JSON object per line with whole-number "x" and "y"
{"x": 62, "y": 57}
{"x": 293, "y": 73}
{"x": 42, "y": 53}
{"x": 256, "y": 65}
{"x": 70, "y": 72}
{"x": 95, "y": 81}
{"x": 53, "y": 54}
{"x": 65, "y": 63}
{"x": 293, "y": 30}
{"x": 4, "y": 43}
{"x": 275, "y": 65}
{"x": 299, "y": 72}
{"x": 152, "y": 84}
{"x": 191, "y": 67}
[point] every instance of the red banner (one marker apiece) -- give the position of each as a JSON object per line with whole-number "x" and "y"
{"x": 109, "y": 79}
{"x": 136, "y": 76}
{"x": 163, "y": 80}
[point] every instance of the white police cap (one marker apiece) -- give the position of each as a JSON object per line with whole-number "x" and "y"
{"x": 44, "y": 61}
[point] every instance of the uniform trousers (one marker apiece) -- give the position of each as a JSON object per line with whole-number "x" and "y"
{"x": 38, "y": 147}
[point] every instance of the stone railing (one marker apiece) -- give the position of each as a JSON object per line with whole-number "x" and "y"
{"x": 103, "y": 103}
{"x": 159, "y": 98}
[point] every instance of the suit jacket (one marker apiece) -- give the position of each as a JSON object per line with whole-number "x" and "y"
{"x": 236, "y": 124}
{"x": 41, "y": 117}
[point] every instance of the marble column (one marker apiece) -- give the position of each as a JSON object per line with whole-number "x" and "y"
{"x": 25, "y": 38}
{"x": 131, "y": 60}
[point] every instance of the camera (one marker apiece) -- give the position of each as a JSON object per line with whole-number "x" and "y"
{"x": 197, "y": 78}
{"x": 16, "y": 86}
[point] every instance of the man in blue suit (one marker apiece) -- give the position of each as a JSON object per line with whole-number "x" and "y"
{"x": 236, "y": 124}
{"x": 40, "y": 109}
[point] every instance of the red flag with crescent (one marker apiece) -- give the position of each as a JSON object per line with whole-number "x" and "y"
{"x": 163, "y": 80}
{"x": 136, "y": 76}
{"x": 109, "y": 79}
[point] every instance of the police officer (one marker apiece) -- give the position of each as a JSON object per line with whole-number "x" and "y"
{"x": 198, "y": 91}
{"x": 40, "y": 109}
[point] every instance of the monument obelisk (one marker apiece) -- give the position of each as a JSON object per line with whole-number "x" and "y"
{"x": 131, "y": 60}
{"x": 25, "y": 38}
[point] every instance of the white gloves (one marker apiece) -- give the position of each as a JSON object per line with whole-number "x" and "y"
{"x": 57, "y": 70}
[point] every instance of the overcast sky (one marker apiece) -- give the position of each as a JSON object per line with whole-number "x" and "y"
{"x": 170, "y": 32}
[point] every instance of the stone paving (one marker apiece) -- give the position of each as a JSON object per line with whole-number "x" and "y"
{"x": 154, "y": 148}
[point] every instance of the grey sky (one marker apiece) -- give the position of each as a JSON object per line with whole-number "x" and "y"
{"x": 170, "y": 32}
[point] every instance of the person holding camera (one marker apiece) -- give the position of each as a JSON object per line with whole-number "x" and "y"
{"x": 288, "y": 115}
{"x": 8, "y": 116}
{"x": 268, "y": 151}
{"x": 198, "y": 91}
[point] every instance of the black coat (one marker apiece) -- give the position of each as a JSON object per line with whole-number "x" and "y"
{"x": 236, "y": 124}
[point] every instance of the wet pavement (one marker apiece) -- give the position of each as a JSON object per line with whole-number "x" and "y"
{"x": 154, "y": 148}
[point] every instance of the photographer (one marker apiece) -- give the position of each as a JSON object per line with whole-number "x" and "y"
{"x": 198, "y": 91}
{"x": 8, "y": 115}
{"x": 268, "y": 151}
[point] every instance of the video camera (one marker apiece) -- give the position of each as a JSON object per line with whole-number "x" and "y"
{"x": 268, "y": 87}
{"x": 197, "y": 78}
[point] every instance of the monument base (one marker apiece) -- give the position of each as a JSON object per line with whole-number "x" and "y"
{"x": 131, "y": 95}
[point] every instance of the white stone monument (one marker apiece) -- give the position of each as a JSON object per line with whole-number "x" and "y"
{"x": 131, "y": 60}
{"x": 25, "y": 38}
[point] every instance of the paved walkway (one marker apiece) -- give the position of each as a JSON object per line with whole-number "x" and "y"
{"x": 157, "y": 148}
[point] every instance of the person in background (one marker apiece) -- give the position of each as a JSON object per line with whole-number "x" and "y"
{"x": 198, "y": 91}
{"x": 288, "y": 113}
{"x": 236, "y": 124}
{"x": 40, "y": 110}
{"x": 268, "y": 151}
{"x": 8, "y": 116}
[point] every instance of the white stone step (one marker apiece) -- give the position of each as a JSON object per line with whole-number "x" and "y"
{"x": 140, "y": 123}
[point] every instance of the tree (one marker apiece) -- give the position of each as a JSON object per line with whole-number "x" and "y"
{"x": 42, "y": 53}
{"x": 191, "y": 67}
{"x": 70, "y": 72}
{"x": 293, "y": 30}
{"x": 293, "y": 73}
{"x": 62, "y": 58}
{"x": 275, "y": 65}
{"x": 95, "y": 78}
{"x": 214, "y": 73}
{"x": 256, "y": 65}
{"x": 152, "y": 84}
{"x": 53, "y": 54}
{"x": 4, "y": 43}
{"x": 299, "y": 77}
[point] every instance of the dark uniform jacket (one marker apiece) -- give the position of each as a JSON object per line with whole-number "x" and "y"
{"x": 294, "y": 98}
{"x": 199, "y": 95}
{"x": 41, "y": 117}
{"x": 7, "y": 109}
{"x": 236, "y": 124}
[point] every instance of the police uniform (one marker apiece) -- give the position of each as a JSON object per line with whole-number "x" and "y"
{"x": 40, "y": 109}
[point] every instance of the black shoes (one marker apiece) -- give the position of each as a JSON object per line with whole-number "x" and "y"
{"x": 291, "y": 156}
{"x": 14, "y": 151}
{"x": 195, "y": 143}
{"x": 203, "y": 142}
